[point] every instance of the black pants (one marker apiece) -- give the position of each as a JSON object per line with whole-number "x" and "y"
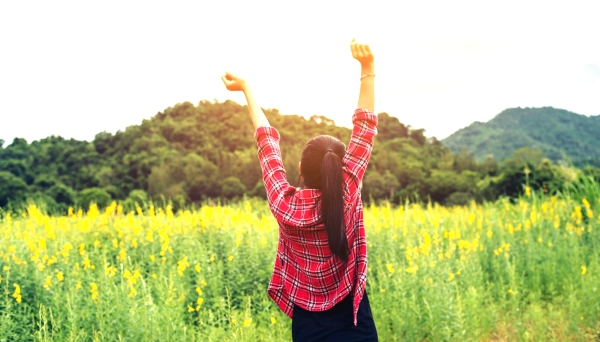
{"x": 335, "y": 324}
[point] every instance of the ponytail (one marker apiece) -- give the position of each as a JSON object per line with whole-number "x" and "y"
{"x": 332, "y": 204}
{"x": 321, "y": 168}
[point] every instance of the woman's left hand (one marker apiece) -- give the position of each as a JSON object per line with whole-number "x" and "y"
{"x": 234, "y": 83}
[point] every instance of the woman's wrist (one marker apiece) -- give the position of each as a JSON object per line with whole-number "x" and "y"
{"x": 367, "y": 68}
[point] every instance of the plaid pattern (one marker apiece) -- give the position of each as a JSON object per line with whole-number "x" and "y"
{"x": 306, "y": 272}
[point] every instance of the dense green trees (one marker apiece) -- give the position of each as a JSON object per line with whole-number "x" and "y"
{"x": 193, "y": 153}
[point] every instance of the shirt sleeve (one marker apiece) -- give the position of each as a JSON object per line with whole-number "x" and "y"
{"x": 359, "y": 150}
{"x": 273, "y": 172}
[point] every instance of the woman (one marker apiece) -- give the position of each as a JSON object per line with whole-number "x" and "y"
{"x": 321, "y": 265}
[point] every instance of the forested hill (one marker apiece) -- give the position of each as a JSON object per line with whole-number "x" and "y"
{"x": 556, "y": 132}
{"x": 190, "y": 153}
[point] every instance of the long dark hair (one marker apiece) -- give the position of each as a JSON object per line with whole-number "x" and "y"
{"x": 321, "y": 168}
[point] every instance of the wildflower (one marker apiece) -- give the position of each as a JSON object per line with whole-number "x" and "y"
{"x": 190, "y": 309}
{"x": 60, "y": 276}
{"x": 390, "y": 268}
{"x": 152, "y": 257}
{"x": 230, "y": 258}
{"x": 110, "y": 271}
{"x": 273, "y": 320}
{"x": 154, "y": 275}
{"x": 583, "y": 270}
{"x": 47, "y": 283}
{"x": 489, "y": 234}
{"x": 247, "y": 322}
{"x": 198, "y": 268}
{"x": 149, "y": 236}
{"x": 528, "y": 191}
{"x": 78, "y": 286}
{"x": 182, "y": 265}
{"x": 132, "y": 292}
{"x": 451, "y": 276}
{"x": 511, "y": 291}
{"x": 17, "y": 294}
{"x": 94, "y": 290}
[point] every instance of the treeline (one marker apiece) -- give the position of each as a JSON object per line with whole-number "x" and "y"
{"x": 188, "y": 154}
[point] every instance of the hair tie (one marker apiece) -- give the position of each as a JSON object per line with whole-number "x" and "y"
{"x": 329, "y": 150}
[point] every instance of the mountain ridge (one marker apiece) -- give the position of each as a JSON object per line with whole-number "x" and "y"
{"x": 559, "y": 133}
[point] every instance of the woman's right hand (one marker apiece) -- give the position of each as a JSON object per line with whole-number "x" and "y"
{"x": 234, "y": 83}
{"x": 362, "y": 53}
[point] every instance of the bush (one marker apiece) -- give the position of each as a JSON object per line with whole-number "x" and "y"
{"x": 232, "y": 187}
{"x": 12, "y": 188}
{"x": 61, "y": 194}
{"x": 94, "y": 195}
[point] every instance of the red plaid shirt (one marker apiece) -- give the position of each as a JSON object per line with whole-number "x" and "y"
{"x": 306, "y": 272}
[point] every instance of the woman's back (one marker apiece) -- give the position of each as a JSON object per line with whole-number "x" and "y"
{"x": 306, "y": 273}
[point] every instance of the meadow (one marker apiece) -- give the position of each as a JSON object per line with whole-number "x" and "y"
{"x": 505, "y": 271}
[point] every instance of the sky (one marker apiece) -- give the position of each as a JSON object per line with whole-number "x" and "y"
{"x": 78, "y": 68}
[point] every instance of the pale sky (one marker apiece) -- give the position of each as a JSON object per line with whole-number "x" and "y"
{"x": 78, "y": 68}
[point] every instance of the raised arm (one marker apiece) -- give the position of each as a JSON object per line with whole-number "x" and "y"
{"x": 234, "y": 83}
{"x": 269, "y": 153}
{"x": 364, "y": 120}
{"x": 362, "y": 53}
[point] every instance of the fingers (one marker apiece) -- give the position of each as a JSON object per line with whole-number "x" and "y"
{"x": 363, "y": 49}
{"x": 353, "y": 48}
{"x": 359, "y": 50}
{"x": 229, "y": 76}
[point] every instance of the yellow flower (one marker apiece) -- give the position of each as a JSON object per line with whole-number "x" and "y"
{"x": 182, "y": 265}
{"x": 48, "y": 282}
{"x": 451, "y": 276}
{"x": 511, "y": 291}
{"x": 60, "y": 276}
{"x": 132, "y": 292}
{"x": 273, "y": 320}
{"x": 528, "y": 191}
{"x": 200, "y": 301}
{"x": 583, "y": 270}
{"x": 152, "y": 257}
{"x": 17, "y": 294}
{"x": 190, "y": 309}
{"x": 199, "y": 290}
{"x": 198, "y": 268}
{"x": 94, "y": 290}
{"x": 229, "y": 259}
{"x": 390, "y": 268}
{"x": 247, "y": 322}
{"x": 78, "y": 286}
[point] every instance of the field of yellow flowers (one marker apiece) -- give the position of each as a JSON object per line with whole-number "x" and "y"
{"x": 501, "y": 271}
